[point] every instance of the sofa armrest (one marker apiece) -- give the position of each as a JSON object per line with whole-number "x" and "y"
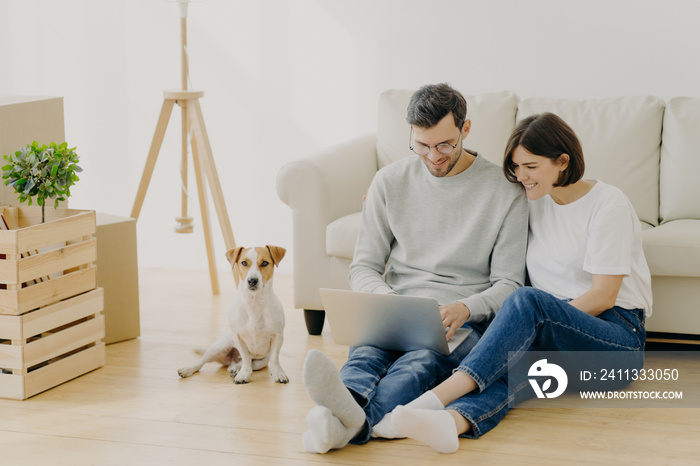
{"x": 319, "y": 190}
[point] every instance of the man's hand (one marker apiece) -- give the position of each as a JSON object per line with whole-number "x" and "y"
{"x": 454, "y": 316}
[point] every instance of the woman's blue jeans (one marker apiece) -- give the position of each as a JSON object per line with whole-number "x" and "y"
{"x": 533, "y": 320}
{"x": 380, "y": 380}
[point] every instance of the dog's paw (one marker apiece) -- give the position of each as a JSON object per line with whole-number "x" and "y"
{"x": 282, "y": 379}
{"x": 242, "y": 377}
{"x": 186, "y": 371}
{"x": 233, "y": 369}
{"x": 279, "y": 376}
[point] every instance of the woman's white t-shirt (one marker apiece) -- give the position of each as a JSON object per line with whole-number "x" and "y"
{"x": 597, "y": 234}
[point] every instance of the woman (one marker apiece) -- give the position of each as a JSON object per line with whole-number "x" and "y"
{"x": 591, "y": 288}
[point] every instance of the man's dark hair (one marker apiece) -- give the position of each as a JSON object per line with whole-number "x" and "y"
{"x": 432, "y": 102}
{"x": 547, "y": 135}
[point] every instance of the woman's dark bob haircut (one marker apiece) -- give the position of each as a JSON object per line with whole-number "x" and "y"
{"x": 546, "y": 135}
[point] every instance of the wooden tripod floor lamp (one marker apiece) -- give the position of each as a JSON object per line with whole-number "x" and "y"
{"x": 202, "y": 158}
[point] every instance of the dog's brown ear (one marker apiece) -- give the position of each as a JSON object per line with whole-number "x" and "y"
{"x": 277, "y": 253}
{"x": 233, "y": 254}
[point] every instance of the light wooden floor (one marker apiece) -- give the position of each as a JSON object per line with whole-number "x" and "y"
{"x": 137, "y": 411}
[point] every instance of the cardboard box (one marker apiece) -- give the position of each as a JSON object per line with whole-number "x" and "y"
{"x": 24, "y": 119}
{"x": 51, "y": 326}
{"x": 117, "y": 273}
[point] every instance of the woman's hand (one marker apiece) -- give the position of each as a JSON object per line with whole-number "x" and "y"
{"x": 454, "y": 316}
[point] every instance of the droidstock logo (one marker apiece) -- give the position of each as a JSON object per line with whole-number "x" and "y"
{"x": 542, "y": 369}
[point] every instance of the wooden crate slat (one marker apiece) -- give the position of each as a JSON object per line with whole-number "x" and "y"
{"x": 56, "y": 232}
{"x": 62, "y": 342}
{"x": 64, "y": 370}
{"x": 10, "y": 357}
{"x": 9, "y": 304}
{"x": 30, "y": 216}
{"x": 9, "y": 270}
{"x": 57, "y": 289}
{"x": 57, "y": 260}
{"x": 50, "y": 317}
{"x": 12, "y": 387}
{"x": 8, "y": 242}
{"x": 10, "y": 328}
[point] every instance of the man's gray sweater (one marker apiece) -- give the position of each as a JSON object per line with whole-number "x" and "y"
{"x": 460, "y": 238}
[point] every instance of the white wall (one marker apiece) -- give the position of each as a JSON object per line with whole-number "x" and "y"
{"x": 283, "y": 78}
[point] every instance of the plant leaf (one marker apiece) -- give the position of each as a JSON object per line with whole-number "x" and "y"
{"x": 29, "y": 185}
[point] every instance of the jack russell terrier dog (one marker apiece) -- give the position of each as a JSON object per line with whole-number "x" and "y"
{"x": 256, "y": 319}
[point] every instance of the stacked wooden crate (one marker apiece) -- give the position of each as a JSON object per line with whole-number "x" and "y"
{"x": 51, "y": 323}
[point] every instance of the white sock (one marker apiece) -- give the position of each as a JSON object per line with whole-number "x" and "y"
{"x": 385, "y": 427}
{"x": 324, "y": 386}
{"x": 326, "y": 431}
{"x": 434, "y": 428}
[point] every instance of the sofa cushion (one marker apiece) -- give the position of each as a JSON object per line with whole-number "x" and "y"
{"x": 492, "y": 115}
{"x": 673, "y": 249}
{"x": 620, "y": 138}
{"x": 341, "y": 236}
{"x": 680, "y": 160}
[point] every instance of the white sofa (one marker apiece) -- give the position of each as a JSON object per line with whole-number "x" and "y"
{"x": 647, "y": 147}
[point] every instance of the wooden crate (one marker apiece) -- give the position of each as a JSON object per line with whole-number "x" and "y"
{"x": 63, "y": 249}
{"x": 51, "y": 326}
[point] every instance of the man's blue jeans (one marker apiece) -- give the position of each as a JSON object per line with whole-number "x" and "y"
{"x": 533, "y": 320}
{"x": 380, "y": 380}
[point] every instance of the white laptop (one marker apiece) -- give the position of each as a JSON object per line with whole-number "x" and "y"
{"x": 391, "y": 322}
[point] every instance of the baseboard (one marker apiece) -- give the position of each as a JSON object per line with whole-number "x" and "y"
{"x": 673, "y": 338}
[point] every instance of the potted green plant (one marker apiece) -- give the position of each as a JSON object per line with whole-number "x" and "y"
{"x": 47, "y": 172}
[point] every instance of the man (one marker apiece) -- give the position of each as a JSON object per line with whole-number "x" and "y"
{"x": 445, "y": 225}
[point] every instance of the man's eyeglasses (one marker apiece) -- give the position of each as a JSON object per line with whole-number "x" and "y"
{"x": 444, "y": 148}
